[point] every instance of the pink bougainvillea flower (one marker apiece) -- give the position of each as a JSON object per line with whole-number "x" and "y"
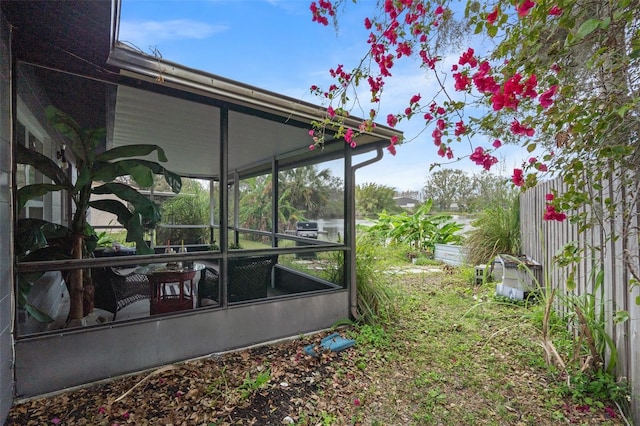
{"x": 392, "y": 149}
{"x": 519, "y": 129}
{"x": 555, "y": 11}
{"x": 525, "y": 7}
{"x": 367, "y": 23}
{"x": 491, "y": 18}
{"x": 437, "y": 137}
{"x": 394, "y": 140}
{"x": 428, "y": 117}
{"x": 392, "y": 120}
{"x": 462, "y": 81}
{"x": 449, "y": 153}
{"x": 551, "y": 214}
{"x": 529, "y": 89}
{"x": 460, "y": 128}
{"x": 312, "y": 147}
{"x": 348, "y": 136}
{"x": 125, "y": 415}
{"x": 555, "y": 68}
{"x": 407, "y": 111}
{"x": 542, "y": 167}
{"x": 518, "y": 177}
{"x": 610, "y": 412}
{"x": 468, "y": 58}
{"x": 549, "y": 197}
{"x": 102, "y": 410}
{"x": 439, "y": 10}
{"x": 415, "y": 99}
{"x": 483, "y": 158}
{"x": 353, "y": 144}
{"x": 546, "y": 98}
{"x": 331, "y": 112}
{"x": 441, "y": 124}
{"x": 497, "y": 143}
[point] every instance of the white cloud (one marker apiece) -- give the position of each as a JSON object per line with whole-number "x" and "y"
{"x": 143, "y": 33}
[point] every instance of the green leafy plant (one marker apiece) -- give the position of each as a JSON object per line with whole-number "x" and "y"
{"x": 375, "y": 298}
{"x": 421, "y": 230}
{"x": 252, "y": 384}
{"x": 495, "y": 231}
{"x": 97, "y": 172}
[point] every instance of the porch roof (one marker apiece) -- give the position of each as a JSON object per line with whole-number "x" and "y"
{"x": 165, "y": 103}
{"x": 262, "y": 125}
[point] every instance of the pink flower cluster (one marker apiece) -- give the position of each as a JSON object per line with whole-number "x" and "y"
{"x": 483, "y": 158}
{"x": 319, "y": 12}
{"x": 404, "y": 31}
{"x": 550, "y": 210}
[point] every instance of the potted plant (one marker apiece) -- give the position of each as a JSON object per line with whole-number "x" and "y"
{"x": 97, "y": 172}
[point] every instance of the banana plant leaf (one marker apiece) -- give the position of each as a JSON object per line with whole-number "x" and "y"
{"x": 30, "y": 192}
{"x": 43, "y": 164}
{"x": 140, "y": 170}
{"x": 37, "y": 239}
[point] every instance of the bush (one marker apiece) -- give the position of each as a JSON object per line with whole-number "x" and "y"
{"x": 495, "y": 231}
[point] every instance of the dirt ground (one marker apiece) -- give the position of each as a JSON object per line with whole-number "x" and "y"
{"x": 410, "y": 376}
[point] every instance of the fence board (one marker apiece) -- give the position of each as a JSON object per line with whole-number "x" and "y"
{"x": 604, "y": 248}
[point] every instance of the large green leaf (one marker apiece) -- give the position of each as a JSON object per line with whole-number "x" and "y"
{"x": 132, "y": 222}
{"x": 38, "y": 240}
{"x": 37, "y": 314}
{"x": 68, "y": 128}
{"x": 43, "y": 164}
{"x": 30, "y": 192}
{"x": 128, "y": 151}
{"x": 94, "y": 138}
{"x": 115, "y": 207}
{"x": 107, "y": 172}
{"x": 141, "y": 204}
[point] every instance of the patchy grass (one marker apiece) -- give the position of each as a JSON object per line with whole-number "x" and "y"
{"x": 451, "y": 356}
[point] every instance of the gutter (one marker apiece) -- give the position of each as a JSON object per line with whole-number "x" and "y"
{"x": 353, "y": 288}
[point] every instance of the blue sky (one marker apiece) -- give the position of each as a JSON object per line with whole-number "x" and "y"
{"x": 273, "y": 45}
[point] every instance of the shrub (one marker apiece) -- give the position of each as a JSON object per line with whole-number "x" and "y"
{"x": 495, "y": 231}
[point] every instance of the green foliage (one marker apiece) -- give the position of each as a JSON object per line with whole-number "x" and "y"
{"x": 190, "y": 207}
{"x": 312, "y": 192}
{"x": 495, "y": 231}
{"x": 104, "y": 167}
{"x": 375, "y": 304}
{"x": 373, "y": 335}
{"x": 250, "y": 384}
{"x": 256, "y": 199}
{"x": 420, "y": 231}
{"x": 372, "y": 198}
{"x": 595, "y": 388}
{"x": 96, "y": 174}
{"x": 448, "y": 186}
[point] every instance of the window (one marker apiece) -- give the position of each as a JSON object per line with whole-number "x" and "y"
{"x": 27, "y": 175}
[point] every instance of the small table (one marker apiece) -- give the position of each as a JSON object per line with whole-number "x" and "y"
{"x": 165, "y": 277}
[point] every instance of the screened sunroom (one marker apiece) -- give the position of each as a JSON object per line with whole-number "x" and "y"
{"x": 257, "y": 245}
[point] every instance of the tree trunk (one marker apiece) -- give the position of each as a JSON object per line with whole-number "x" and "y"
{"x": 76, "y": 284}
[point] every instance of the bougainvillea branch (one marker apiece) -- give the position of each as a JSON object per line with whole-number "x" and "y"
{"x": 559, "y": 79}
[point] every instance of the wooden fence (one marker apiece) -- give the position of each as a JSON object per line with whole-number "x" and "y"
{"x": 604, "y": 245}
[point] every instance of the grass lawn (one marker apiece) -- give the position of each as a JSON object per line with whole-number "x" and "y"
{"x": 451, "y": 356}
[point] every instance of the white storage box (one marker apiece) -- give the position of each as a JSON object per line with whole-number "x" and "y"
{"x": 510, "y": 292}
{"x": 519, "y": 272}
